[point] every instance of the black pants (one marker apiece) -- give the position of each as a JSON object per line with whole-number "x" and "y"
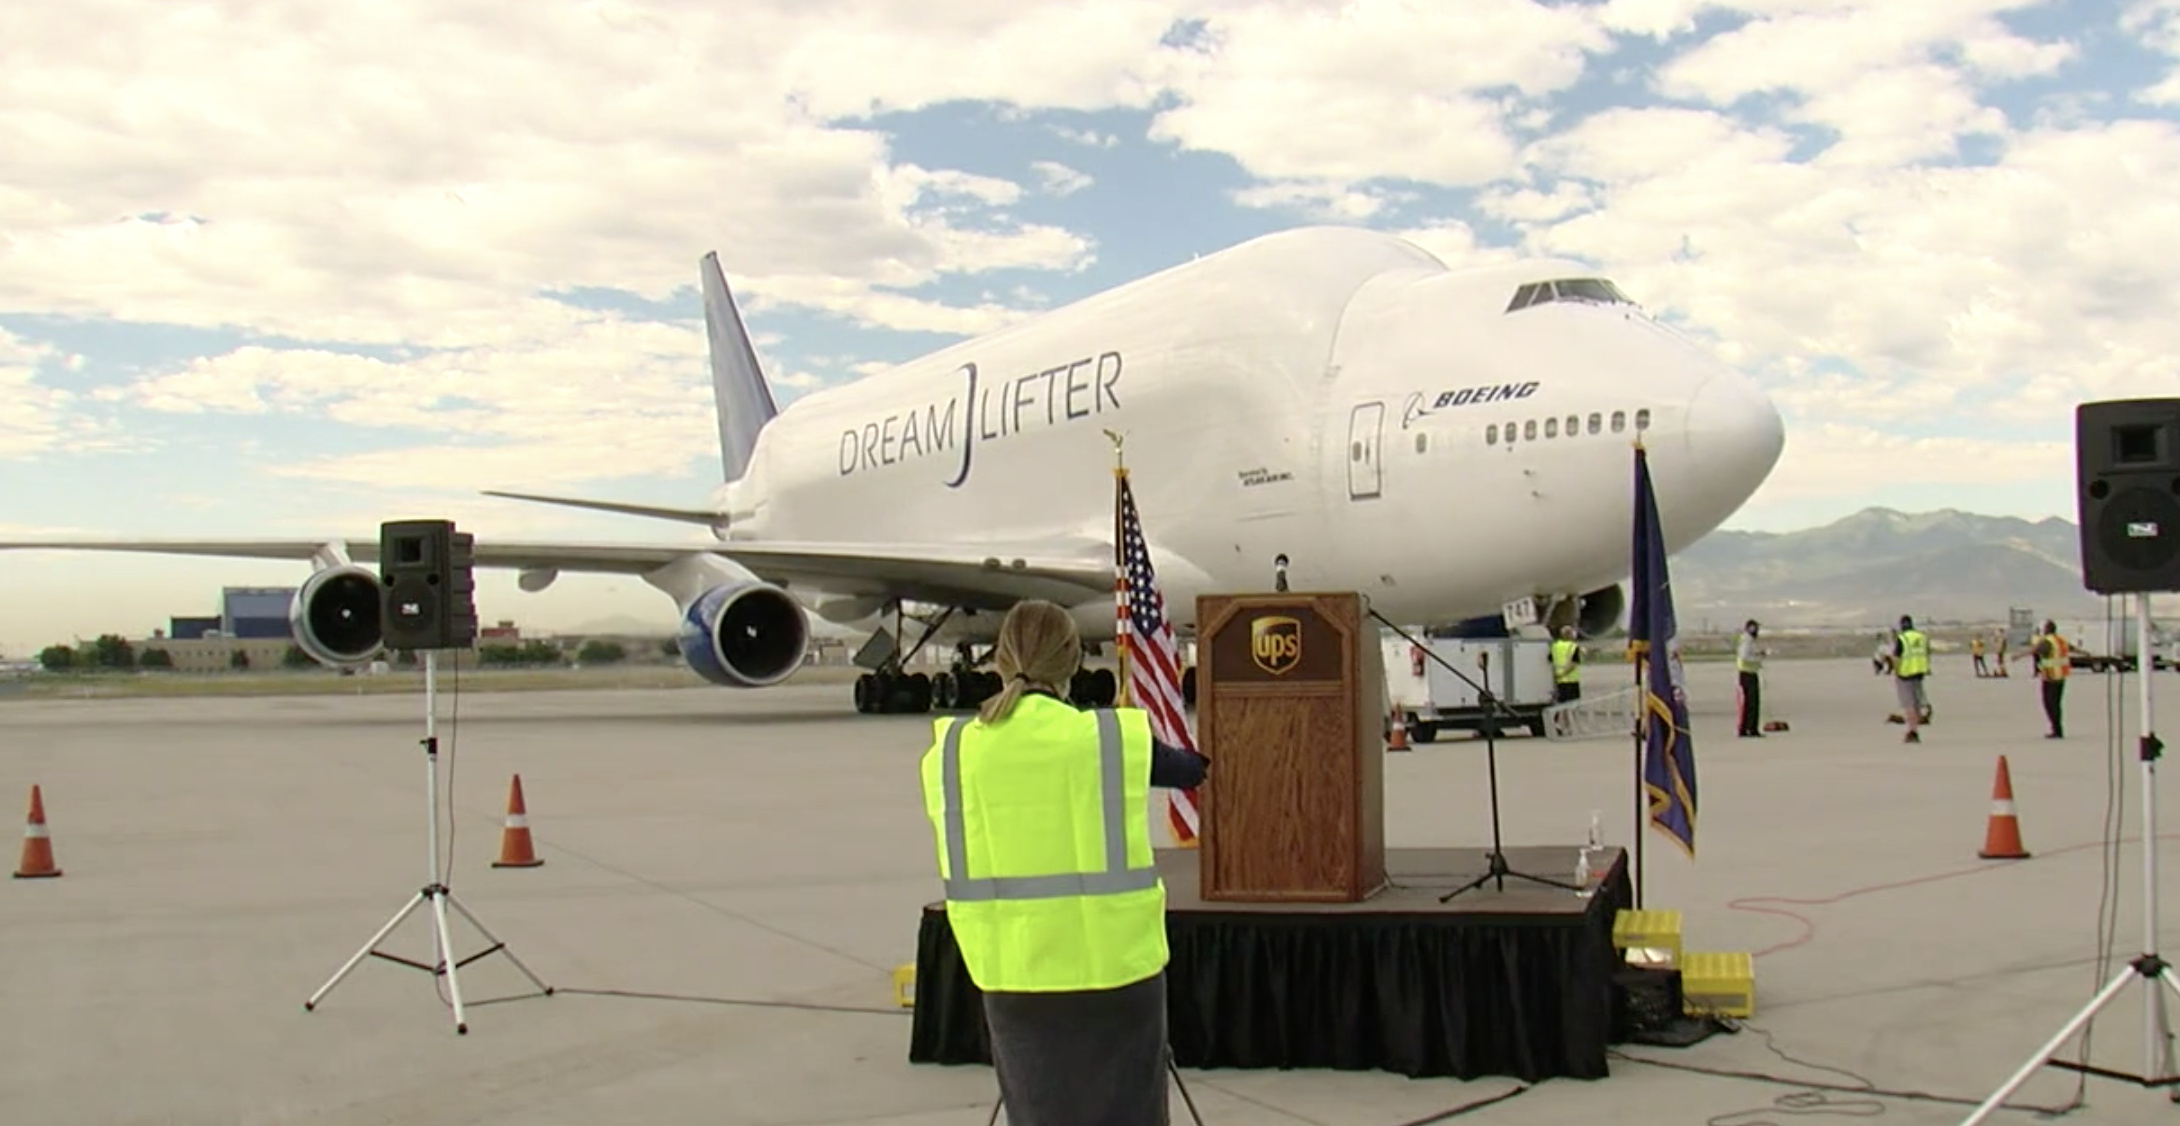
{"x": 1752, "y": 702}
{"x": 1081, "y": 1059}
{"x": 2054, "y": 696}
{"x": 1566, "y": 690}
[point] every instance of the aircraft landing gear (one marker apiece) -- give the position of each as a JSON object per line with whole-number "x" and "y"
{"x": 965, "y": 687}
{"x": 1094, "y": 688}
{"x": 892, "y": 692}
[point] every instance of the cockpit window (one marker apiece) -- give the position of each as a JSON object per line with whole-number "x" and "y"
{"x": 1596, "y": 291}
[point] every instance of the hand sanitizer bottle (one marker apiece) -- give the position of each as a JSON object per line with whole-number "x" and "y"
{"x": 1582, "y": 874}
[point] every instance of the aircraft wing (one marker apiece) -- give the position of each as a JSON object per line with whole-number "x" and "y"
{"x": 973, "y": 576}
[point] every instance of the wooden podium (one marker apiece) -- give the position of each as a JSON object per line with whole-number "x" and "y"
{"x": 1289, "y": 696}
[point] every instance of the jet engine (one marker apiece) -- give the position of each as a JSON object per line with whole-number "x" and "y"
{"x": 746, "y": 634}
{"x": 1599, "y": 611}
{"x": 335, "y": 616}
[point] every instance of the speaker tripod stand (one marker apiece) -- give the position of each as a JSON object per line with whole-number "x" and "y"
{"x": 2148, "y": 968}
{"x": 1498, "y": 870}
{"x": 435, "y": 893}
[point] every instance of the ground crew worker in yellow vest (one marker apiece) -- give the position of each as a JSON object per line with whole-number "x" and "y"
{"x": 1566, "y": 667}
{"x": 1911, "y": 664}
{"x": 1052, "y": 891}
{"x": 1975, "y": 649}
{"x": 1748, "y": 663}
{"x": 2054, "y": 660}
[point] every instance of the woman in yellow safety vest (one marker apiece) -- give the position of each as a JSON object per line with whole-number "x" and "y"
{"x": 1052, "y": 890}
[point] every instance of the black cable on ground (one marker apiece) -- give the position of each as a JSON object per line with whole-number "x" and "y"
{"x": 1470, "y": 1107}
{"x": 1810, "y": 1097}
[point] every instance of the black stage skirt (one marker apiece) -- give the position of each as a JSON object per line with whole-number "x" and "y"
{"x": 1082, "y": 1059}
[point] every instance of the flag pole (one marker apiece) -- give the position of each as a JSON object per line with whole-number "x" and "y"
{"x": 1120, "y": 644}
{"x": 1642, "y": 719}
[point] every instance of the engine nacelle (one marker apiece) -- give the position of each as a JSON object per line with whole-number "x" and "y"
{"x": 744, "y": 635}
{"x": 1600, "y": 611}
{"x": 335, "y": 616}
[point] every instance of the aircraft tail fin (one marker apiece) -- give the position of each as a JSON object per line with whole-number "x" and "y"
{"x": 743, "y": 399}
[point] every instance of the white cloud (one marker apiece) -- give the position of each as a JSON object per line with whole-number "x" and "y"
{"x": 421, "y": 178}
{"x": 572, "y": 396}
{"x": 1330, "y": 202}
{"x": 35, "y": 417}
{"x": 1058, "y": 179}
{"x": 2157, "y": 23}
{"x": 1938, "y": 283}
{"x": 1321, "y": 92}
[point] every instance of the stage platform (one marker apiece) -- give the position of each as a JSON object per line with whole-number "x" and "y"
{"x": 1516, "y": 983}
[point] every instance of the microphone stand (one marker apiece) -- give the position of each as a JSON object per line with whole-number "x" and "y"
{"x": 1499, "y": 869}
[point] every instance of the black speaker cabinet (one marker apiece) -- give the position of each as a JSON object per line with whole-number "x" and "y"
{"x": 2127, "y": 456}
{"x": 430, "y": 585}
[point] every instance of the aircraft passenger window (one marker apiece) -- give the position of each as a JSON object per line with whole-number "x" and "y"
{"x": 1551, "y": 428}
{"x": 1421, "y": 441}
{"x": 1510, "y": 432}
{"x": 1491, "y": 434}
{"x": 1529, "y": 430}
{"x": 1596, "y": 422}
{"x": 1355, "y": 452}
{"x": 1574, "y": 425}
{"x": 1619, "y": 421}
{"x": 1642, "y": 419}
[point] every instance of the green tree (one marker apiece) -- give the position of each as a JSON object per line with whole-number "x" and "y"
{"x": 668, "y": 647}
{"x": 156, "y": 659}
{"x": 111, "y": 651}
{"x": 296, "y": 658}
{"x": 238, "y": 660}
{"x": 596, "y": 652}
{"x": 57, "y": 658}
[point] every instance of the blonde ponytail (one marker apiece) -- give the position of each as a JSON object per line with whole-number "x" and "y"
{"x": 1038, "y": 647}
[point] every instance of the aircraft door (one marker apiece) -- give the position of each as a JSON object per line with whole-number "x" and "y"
{"x": 1365, "y": 430}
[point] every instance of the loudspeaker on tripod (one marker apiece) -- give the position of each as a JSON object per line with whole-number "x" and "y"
{"x": 2127, "y": 461}
{"x": 427, "y": 571}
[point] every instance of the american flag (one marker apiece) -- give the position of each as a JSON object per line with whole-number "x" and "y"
{"x": 1153, "y": 661}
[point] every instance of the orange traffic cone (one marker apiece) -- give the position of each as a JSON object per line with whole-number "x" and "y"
{"x": 37, "y": 845}
{"x": 1399, "y": 741}
{"x": 516, "y": 850}
{"x": 2002, "y": 840}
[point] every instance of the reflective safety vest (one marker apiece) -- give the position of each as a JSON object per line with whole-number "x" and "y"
{"x": 1745, "y": 656}
{"x": 1564, "y": 668}
{"x": 2057, "y": 662}
{"x": 1051, "y": 884}
{"x": 1914, "y": 653}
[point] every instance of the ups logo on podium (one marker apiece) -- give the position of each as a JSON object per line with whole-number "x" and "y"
{"x": 1275, "y": 643}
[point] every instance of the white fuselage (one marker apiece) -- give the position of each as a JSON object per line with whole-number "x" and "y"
{"x": 1335, "y": 395}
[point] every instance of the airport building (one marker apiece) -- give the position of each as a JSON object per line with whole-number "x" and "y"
{"x": 255, "y": 612}
{"x": 217, "y": 654}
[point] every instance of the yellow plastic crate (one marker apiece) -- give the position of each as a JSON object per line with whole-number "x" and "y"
{"x": 1647, "y": 937}
{"x": 904, "y": 985}
{"x": 1721, "y": 985}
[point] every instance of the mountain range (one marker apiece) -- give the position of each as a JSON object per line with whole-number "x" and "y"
{"x": 1869, "y": 568}
{"x": 1859, "y": 572}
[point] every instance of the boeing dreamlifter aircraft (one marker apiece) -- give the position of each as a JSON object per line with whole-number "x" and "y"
{"x": 1449, "y": 442}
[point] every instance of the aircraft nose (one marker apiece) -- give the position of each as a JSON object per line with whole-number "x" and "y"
{"x": 1734, "y": 430}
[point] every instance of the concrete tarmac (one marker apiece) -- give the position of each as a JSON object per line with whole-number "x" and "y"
{"x": 764, "y": 855}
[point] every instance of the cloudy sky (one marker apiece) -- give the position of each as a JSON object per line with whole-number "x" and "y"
{"x": 294, "y": 268}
